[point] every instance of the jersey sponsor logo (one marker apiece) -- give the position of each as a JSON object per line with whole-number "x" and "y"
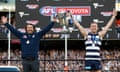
{"x": 24, "y": 36}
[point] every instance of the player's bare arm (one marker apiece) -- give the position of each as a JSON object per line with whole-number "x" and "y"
{"x": 108, "y": 25}
{"x": 80, "y": 27}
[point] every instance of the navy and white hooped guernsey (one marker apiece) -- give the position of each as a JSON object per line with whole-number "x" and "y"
{"x": 92, "y": 43}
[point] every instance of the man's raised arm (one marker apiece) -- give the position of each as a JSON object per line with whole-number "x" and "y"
{"x": 11, "y": 28}
{"x": 108, "y": 25}
{"x": 80, "y": 27}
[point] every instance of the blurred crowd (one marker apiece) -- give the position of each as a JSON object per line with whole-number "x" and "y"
{"x": 54, "y": 59}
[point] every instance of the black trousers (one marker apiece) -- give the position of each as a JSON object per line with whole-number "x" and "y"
{"x": 30, "y": 65}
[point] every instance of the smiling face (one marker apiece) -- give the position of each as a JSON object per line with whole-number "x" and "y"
{"x": 29, "y": 29}
{"x": 93, "y": 27}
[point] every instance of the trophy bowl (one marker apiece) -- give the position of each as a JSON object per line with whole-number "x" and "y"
{"x": 61, "y": 18}
{"x": 64, "y": 18}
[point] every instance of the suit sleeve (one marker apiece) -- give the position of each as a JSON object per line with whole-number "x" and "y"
{"x": 13, "y": 30}
{"x": 46, "y": 29}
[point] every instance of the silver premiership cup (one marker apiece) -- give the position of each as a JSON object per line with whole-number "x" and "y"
{"x": 61, "y": 17}
{"x": 64, "y": 18}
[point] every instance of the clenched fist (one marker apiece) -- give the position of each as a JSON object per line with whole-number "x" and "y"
{"x": 3, "y": 19}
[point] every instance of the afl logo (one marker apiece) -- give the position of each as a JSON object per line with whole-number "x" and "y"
{"x": 47, "y": 10}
